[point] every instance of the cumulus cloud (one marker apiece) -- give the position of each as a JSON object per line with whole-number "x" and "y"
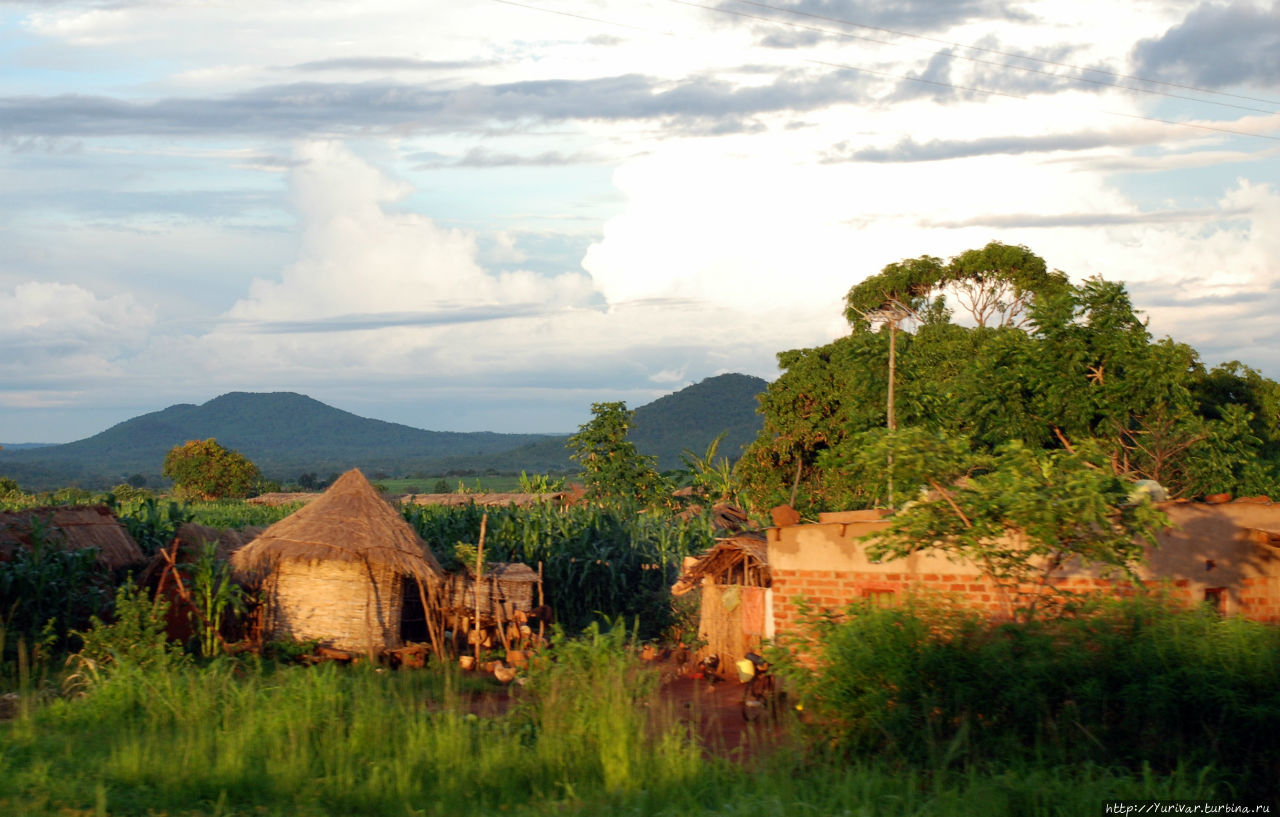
{"x": 377, "y": 295}
{"x": 363, "y": 265}
{"x": 57, "y": 330}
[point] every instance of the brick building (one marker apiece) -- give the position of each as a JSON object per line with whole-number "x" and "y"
{"x": 1227, "y": 555}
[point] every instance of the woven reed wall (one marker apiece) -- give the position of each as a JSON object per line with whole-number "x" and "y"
{"x": 721, "y": 624}
{"x": 336, "y": 603}
{"x": 460, "y": 594}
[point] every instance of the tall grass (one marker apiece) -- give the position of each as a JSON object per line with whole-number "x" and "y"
{"x": 1130, "y": 684}
{"x": 588, "y": 736}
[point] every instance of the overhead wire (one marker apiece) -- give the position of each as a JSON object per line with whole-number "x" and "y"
{"x": 921, "y": 80}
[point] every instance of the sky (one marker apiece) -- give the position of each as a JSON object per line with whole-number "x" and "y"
{"x": 489, "y": 215}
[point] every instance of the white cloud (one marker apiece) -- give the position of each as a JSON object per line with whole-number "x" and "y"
{"x": 360, "y": 257}
{"x": 56, "y": 330}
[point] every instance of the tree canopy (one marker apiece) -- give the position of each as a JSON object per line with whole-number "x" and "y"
{"x": 1047, "y": 364}
{"x": 612, "y": 468}
{"x": 205, "y": 469}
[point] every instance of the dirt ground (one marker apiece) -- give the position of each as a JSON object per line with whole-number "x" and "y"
{"x": 717, "y": 711}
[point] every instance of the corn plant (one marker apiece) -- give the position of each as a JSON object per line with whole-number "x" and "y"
{"x": 596, "y": 561}
{"x": 214, "y": 595}
{"x": 48, "y": 588}
{"x": 153, "y": 525}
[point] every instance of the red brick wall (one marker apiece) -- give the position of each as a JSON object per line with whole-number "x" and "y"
{"x": 832, "y": 590}
{"x": 1217, "y": 553}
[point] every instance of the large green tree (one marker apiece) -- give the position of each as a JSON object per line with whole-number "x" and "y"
{"x": 1052, "y": 366}
{"x": 613, "y": 470}
{"x": 205, "y": 469}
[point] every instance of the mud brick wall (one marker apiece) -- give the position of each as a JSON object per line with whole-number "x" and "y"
{"x": 1217, "y": 554}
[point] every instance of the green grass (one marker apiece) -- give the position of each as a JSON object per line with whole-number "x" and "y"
{"x": 588, "y": 735}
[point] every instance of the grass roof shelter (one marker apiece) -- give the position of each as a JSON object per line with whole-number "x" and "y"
{"x": 735, "y": 609}
{"x": 70, "y": 528}
{"x": 336, "y": 569}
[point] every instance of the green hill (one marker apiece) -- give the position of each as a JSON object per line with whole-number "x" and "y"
{"x": 284, "y": 433}
{"x": 287, "y": 434}
{"x": 692, "y": 417}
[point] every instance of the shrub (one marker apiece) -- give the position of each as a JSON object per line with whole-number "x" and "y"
{"x": 135, "y": 636}
{"x": 1130, "y": 682}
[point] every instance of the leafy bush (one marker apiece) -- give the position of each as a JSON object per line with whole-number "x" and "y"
{"x": 151, "y": 524}
{"x": 135, "y": 635}
{"x": 1130, "y": 682}
{"x": 205, "y": 469}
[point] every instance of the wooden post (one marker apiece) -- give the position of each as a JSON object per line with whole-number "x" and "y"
{"x": 427, "y": 614}
{"x": 484, "y": 521}
{"x": 541, "y": 623}
{"x": 501, "y": 614}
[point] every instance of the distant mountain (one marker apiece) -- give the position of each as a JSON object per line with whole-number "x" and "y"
{"x": 23, "y": 446}
{"x": 287, "y": 434}
{"x": 688, "y": 419}
{"x": 692, "y": 417}
{"x": 284, "y": 433}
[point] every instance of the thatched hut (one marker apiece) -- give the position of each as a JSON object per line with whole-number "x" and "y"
{"x": 70, "y": 528}
{"x": 734, "y": 579}
{"x": 336, "y": 569}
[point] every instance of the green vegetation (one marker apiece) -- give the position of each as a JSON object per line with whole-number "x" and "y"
{"x": 588, "y": 735}
{"x": 1049, "y": 365}
{"x": 1060, "y": 505}
{"x": 204, "y": 469}
{"x": 47, "y": 591}
{"x": 613, "y": 470}
{"x": 1135, "y": 684}
{"x": 596, "y": 561}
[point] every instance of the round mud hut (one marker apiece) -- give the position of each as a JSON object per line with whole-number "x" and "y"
{"x": 336, "y": 570}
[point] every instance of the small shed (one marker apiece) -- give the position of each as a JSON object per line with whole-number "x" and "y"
{"x": 336, "y": 569}
{"x": 70, "y": 528}
{"x": 736, "y": 597}
{"x": 511, "y": 584}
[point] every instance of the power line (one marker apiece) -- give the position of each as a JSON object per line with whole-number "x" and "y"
{"x": 998, "y": 52}
{"x": 906, "y": 77}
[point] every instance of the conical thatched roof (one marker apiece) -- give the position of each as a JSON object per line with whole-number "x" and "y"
{"x": 349, "y": 522}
